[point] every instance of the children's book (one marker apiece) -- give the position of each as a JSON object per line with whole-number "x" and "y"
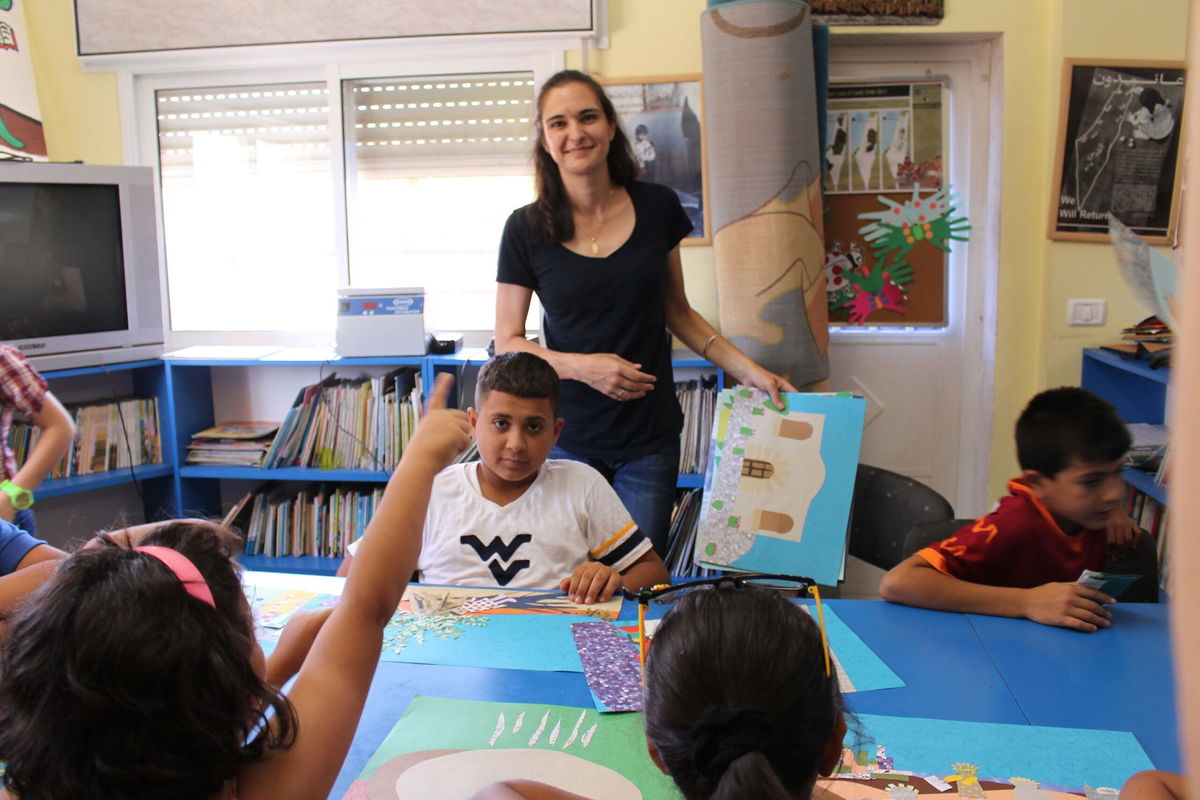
{"x": 779, "y": 483}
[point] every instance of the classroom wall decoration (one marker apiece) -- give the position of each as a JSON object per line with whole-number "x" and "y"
{"x": 779, "y": 483}
{"x": 1120, "y": 125}
{"x": 21, "y": 134}
{"x": 442, "y": 749}
{"x": 661, "y": 118}
{"x": 764, "y": 184}
{"x": 886, "y": 138}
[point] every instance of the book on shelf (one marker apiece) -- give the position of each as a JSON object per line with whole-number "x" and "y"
{"x": 241, "y": 444}
{"x": 1148, "y": 445}
{"x": 1154, "y": 518}
{"x": 307, "y": 519}
{"x": 109, "y": 434}
{"x": 359, "y": 423}
{"x": 697, "y": 398}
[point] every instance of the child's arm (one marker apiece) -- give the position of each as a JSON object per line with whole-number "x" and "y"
{"x": 332, "y": 686}
{"x": 523, "y": 790}
{"x": 294, "y": 643}
{"x": 57, "y": 430}
{"x": 1153, "y": 784}
{"x": 915, "y": 582}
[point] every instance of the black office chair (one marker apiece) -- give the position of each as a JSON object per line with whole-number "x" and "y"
{"x": 886, "y": 506}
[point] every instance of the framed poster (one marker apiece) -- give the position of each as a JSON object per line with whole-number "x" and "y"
{"x": 663, "y": 119}
{"x": 1120, "y": 125}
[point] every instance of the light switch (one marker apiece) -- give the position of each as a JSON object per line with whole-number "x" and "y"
{"x": 1090, "y": 311}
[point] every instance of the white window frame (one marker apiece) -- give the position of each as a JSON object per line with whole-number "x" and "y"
{"x": 142, "y": 75}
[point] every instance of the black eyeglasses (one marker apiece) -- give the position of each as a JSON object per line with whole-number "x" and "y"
{"x": 664, "y": 594}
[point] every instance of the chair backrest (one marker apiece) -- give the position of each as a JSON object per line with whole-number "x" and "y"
{"x": 926, "y": 533}
{"x": 886, "y": 505}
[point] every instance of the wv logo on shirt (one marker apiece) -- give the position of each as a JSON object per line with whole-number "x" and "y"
{"x": 498, "y": 555}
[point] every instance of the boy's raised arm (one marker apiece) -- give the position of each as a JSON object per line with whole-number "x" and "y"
{"x": 915, "y": 582}
{"x": 333, "y": 681}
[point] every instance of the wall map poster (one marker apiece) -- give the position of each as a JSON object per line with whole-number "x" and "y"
{"x": 1118, "y": 149}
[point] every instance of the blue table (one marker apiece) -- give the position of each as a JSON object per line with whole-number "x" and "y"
{"x": 1118, "y": 679}
{"x": 955, "y": 666}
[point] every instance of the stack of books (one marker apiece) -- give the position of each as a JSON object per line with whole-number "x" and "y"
{"x": 239, "y": 444}
{"x": 697, "y": 399}
{"x": 1149, "y": 338}
{"x": 361, "y": 423}
{"x": 109, "y": 434}
{"x": 682, "y": 537}
{"x": 311, "y": 520}
{"x": 1149, "y": 445}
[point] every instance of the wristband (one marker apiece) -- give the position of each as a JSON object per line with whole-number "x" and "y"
{"x": 20, "y": 498}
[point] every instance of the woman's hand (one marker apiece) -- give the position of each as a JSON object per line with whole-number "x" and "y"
{"x": 613, "y": 376}
{"x": 769, "y": 382}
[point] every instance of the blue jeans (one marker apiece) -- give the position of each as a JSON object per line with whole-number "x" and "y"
{"x": 24, "y": 521}
{"x": 646, "y": 485}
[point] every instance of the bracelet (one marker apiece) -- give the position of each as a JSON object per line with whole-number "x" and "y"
{"x": 708, "y": 344}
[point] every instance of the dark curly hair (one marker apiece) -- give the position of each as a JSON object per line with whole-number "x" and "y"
{"x": 518, "y": 373}
{"x": 550, "y": 215}
{"x": 737, "y": 700}
{"x": 116, "y": 683}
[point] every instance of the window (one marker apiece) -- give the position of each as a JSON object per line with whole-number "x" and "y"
{"x": 248, "y": 218}
{"x": 262, "y": 221}
{"x": 434, "y": 167}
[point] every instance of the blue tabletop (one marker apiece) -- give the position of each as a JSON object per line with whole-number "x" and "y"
{"x": 1118, "y": 679}
{"x": 955, "y": 666}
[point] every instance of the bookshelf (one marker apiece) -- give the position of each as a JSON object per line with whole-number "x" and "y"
{"x": 189, "y": 392}
{"x": 90, "y": 384}
{"x": 1139, "y": 394}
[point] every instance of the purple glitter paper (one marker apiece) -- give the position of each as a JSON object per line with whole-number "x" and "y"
{"x": 610, "y": 665}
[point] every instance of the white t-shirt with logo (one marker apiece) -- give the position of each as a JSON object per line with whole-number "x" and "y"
{"x": 569, "y": 515}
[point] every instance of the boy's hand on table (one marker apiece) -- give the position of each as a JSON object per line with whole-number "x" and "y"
{"x": 592, "y": 582}
{"x": 1068, "y": 605}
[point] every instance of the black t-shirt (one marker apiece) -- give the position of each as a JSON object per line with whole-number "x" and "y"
{"x": 613, "y": 304}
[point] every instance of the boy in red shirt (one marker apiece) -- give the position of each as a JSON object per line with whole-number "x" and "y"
{"x": 1061, "y": 515}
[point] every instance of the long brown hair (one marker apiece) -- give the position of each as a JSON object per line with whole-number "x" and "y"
{"x": 550, "y": 215}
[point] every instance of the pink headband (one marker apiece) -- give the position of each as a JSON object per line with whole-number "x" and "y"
{"x": 193, "y": 582}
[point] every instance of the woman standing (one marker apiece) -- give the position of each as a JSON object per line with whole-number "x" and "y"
{"x": 601, "y": 250}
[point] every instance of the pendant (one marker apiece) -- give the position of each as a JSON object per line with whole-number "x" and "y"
{"x": 595, "y": 248}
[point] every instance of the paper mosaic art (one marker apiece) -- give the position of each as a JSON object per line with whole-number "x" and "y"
{"x": 779, "y": 483}
{"x": 442, "y": 749}
{"x": 458, "y": 625}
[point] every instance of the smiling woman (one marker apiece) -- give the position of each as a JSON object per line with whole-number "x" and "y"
{"x": 601, "y": 251}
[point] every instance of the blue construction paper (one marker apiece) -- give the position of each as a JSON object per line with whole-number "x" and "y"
{"x": 862, "y": 666}
{"x": 540, "y": 642}
{"x": 1054, "y": 757}
{"x": 820, "y": 550}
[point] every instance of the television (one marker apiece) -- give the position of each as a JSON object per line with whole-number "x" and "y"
{"x": 79, "y": 265}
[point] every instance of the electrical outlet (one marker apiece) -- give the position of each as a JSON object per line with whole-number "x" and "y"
{"x": 1092, "y": 311}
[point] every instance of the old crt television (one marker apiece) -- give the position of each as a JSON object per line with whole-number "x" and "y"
{"x": 79, "y": 267}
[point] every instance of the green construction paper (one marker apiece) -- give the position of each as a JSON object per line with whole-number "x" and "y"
{"x": 436, "y": 723}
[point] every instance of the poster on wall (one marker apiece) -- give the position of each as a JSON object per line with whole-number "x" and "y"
{"x": 1120, "y": 125}
{"x": 662, "y": 119}
{"x": 885, "y": 149}
{"x": 21, "y": 135}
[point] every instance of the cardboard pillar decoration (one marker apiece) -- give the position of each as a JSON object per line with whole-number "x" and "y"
{"x": 760, "y": 106}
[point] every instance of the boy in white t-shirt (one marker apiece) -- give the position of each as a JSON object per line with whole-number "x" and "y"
{"x": 518, "y": 520}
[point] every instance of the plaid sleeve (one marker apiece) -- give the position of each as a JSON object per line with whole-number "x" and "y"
{"x": 20, "y": 384}
{"x": 614, "y": 539}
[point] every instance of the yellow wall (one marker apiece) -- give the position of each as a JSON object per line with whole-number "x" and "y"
{"x": 1034, "y": 347}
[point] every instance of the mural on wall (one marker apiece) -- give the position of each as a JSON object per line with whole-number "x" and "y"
{"x": 21, "y": 135}
{"x": 764, "y": 174}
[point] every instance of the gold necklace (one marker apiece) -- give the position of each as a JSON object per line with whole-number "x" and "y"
{"x": 600, "y": 229}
